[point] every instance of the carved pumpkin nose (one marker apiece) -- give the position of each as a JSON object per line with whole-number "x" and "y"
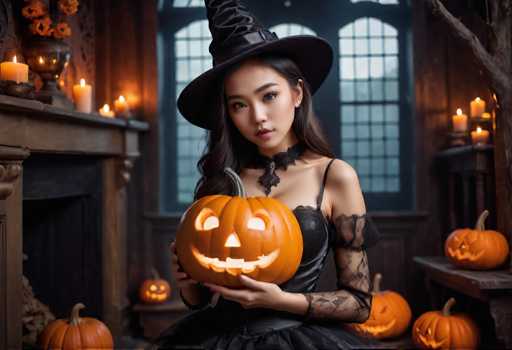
{"x": 232, "y": 241}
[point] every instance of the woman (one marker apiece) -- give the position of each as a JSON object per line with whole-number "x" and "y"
{"x": 257, "y": 106}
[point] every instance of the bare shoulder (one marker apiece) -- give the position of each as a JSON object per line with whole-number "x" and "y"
{"x": 341, "y": 174}
{"x": 343, "y": 190}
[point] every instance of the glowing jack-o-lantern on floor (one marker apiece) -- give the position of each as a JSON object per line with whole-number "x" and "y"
{"x": 155, "y": 290}
{"x": 389, "y": 317}
{"x": 478, "y": 249}
{"x": 221, "y": 237}
{"x": 441, "y": 330}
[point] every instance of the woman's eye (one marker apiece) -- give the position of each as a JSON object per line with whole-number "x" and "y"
{"x": 237, "y": 105}
{"x": 270, "y": 96}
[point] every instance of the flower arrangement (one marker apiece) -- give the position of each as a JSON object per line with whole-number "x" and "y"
{"x": 46, "y": 18}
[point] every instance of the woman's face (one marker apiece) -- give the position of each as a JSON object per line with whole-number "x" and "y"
{"x": 261, "y": 104}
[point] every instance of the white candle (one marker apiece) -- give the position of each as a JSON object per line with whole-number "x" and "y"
{"x": 460, "y": 121}
{"x": 477, "y": 107}
{"x": 14, "y": 71}
{"x": 82, "y": 95}
{"x": 479, "y": 136}
{"x": 106, "y": 112}
{"x": 121, "y": 106}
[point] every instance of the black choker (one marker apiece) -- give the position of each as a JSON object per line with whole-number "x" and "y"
{"x": 279, "y": 160}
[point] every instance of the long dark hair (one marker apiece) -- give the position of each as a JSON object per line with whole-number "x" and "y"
{"x": 226, "y": 147}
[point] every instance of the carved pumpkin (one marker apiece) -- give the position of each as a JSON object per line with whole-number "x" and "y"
{"x": 76, "y": 333}
{"x": 440, "y": 330}
{"x": 389, "y": 317}
{"x": 478, "y": 249}
{"x": 155, "y": 290}
{"x": 221, "y": 237}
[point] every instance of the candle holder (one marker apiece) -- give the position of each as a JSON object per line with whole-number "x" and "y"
{"x": 458, "y": 138}
{"x": 12, "y": 88}
{"x": 48, "y": 57}
{"x": 485, "y": 124}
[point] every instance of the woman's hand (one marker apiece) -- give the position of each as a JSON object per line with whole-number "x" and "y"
{"x": 255, "y": 294}
{"x": 182, "y": 279}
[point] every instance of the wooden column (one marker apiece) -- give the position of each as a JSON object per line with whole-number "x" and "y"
{"x": 11, "y": 268}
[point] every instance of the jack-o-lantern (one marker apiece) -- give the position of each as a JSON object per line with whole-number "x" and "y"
{"x": 155, "y": 290}
{"x": 76, "y": 333}
{"x": 221, "y": 237}
{"x": 390, "y": 314}
{"x": 440, "y": 330}
{"x": 478, "y": 249}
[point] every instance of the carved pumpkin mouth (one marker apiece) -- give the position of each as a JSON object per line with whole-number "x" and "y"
{"x": 467, "y": 255}
{"x": 377, "y": 330}
{"x": 429, "y": 341}
{"x": 234, "y": 266}
{"x": 155, "y": 296}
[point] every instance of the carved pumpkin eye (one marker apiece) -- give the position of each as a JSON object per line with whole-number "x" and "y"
{"x": 152, "y": 288}
{"x": 206, "y": 220}
{"x": 256, "y": 223}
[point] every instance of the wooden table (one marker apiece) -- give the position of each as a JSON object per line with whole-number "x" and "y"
{"x": 492, "y": 287}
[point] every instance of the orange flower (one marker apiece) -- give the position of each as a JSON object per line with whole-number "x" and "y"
{"x": 34, "y": 9}
{"x": 68, "y": 7}
{"x": 42, "y": 26}
{"x": 62, "y": 30}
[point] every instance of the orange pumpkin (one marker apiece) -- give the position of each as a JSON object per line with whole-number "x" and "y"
{"x": 390, "y": 314}
{"x": 441, "y": 330}
{"x": 155, "y": 290}
{"x": 478, "y": 249}
{"x": 76, "y": 333}
{"x": 221, "y": 237}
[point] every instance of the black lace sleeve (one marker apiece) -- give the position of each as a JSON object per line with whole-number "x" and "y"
{"x": 352, "y": 301}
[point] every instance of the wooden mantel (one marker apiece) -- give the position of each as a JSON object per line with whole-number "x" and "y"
{"x": 27, "y": 127}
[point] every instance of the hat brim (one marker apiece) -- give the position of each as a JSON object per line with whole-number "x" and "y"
{"x": 313, "y": 55}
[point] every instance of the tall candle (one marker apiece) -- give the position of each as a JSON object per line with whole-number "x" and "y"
{"x": 106, "y": 112}
{"x": 479, "y": 136}
{"x": 82, "y": 95}
{"x": 460, "y": 121}
{"x": 14, "y": 71}
{"x": 121, "y": 106}
{"x": 477, "y": 107}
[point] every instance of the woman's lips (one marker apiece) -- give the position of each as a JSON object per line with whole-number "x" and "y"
{"x": 264, "y": 134}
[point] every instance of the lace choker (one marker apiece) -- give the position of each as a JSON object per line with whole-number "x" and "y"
{"x": 279, "y": 160}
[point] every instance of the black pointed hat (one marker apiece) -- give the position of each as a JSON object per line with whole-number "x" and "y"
{"x": 237, "y": 35}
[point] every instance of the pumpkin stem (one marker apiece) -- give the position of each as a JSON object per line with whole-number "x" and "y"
{"x": 481, "y": 219}
{"x": 376, "y": 282}
{"x": 448, "y": 306}
{"x": 75, "y": 320}
{"x": 154, "y": 273}
{"x": 237, "y": 181}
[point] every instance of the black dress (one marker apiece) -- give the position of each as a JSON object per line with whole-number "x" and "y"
{"x": 229, "y": 326}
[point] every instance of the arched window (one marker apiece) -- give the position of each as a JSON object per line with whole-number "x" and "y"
{"x": 288, "y": 29}
{"x": 369, "y": 99}
{"x": 192, "y": 58}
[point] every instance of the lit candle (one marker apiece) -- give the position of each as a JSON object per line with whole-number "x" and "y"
{"x": 460, "y": 121}
{"x": 477, "y": 107}
{"x": 479, "y": 136}
{"x": 82, "y": 95}
{"x": 486, "y": 116}
{"x": 106, "y": 112}
{"x": 14, "y": 71}
{"x": 121, "y": 106}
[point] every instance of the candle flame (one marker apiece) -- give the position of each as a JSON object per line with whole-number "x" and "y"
{"x": 459, "y": 111}
{"x": 478, "y": 130}
{"x": 82, "y": 82}
{"x": 106, "y": 108}
{"x": 477, "y": 99}
{"x": 14, "y": 59}
{"x": 41, "y": 60}
{"x": 122, "y": 99}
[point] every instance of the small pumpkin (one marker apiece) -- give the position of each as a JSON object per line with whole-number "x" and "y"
{"x": 221, "y": 237}
{"x": 76, "y": 333}
{"x": 442, "y": 330}
{"x": 477, "y": 249}
{"x": 155, "y": 290}
{"x": 390, "y": 314}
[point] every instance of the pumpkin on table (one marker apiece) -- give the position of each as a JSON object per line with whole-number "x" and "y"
{"x": 154, "y": 290}
{"x": 76, "y": 333}
{"x": 442, "y": 330}
{"x": 221, "y": 237}
{"x": 478, "y": 249}
{"x": 390, "y": 314}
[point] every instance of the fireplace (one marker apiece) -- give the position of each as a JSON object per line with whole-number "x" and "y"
{"x": 62, "y": 223}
